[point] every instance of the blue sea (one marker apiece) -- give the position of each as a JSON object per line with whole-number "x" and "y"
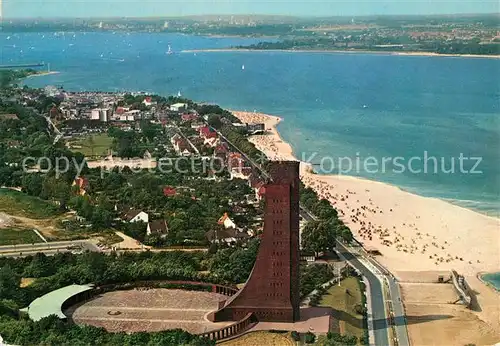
{"x": 436, "y": 116}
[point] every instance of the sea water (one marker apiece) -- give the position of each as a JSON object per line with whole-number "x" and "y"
{"x": 493, "y": 279}
{"x": 335, "y": 106}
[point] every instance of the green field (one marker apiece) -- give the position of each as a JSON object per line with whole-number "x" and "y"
{"x": 20, "y": 204}
{"x": 92, "y": 145}
{"x": 343, "y": 299}
{"x": 10, "y": 236}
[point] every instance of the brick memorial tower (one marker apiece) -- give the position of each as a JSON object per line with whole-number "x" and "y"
{"x": 272, "y": 290}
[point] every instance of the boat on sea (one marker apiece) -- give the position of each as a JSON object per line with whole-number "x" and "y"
{"x": 242, "y": 67}
{"x": 170, "y": 50}
{"x": 179, "y": 94}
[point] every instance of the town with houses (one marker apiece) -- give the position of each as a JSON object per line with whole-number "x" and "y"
{"x": 185, "y": 133}
{"x": 84, "y": 179}
{"x": 174, "y": 197}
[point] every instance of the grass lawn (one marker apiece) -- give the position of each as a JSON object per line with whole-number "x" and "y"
{"x": 342, "y": 299}
{"x": 261, "y": 339}
{"x": 10, "y": 236}
{"x": 93, "y": 145}
{"x": 20, "y": 204}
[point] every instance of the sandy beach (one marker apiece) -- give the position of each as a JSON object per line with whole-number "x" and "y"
{"x": 412, "y": 233}
{"x": 41, "y": 74}
{"x": 428, "y": 54}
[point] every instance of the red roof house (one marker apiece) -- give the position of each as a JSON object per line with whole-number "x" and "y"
{"x": 235, "y": 160}
{"x": 189, "y": 117}
{"x": 169, "y": 191}
{"x": 207, "y": 133}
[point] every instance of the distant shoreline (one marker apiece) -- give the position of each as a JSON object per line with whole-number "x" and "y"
{"x": 429, "y": 54}
{"x": 43, "y": 74}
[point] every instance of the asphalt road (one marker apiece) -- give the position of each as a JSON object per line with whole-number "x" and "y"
{"x": 398, "y": 314}
{"x": 51, "y": 248}
{"x": 380, "y": 324}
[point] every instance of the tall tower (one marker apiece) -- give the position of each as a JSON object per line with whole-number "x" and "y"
{"x": 272, "y": 290}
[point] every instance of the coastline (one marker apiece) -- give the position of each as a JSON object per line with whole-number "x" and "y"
{"x": 414, "y": 234}
{"x": 41, "y": 74}
{"x": 325, "y": 51}
{"x": 481, "y": 278}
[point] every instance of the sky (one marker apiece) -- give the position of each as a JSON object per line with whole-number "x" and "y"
{"x": 157, "y": 8}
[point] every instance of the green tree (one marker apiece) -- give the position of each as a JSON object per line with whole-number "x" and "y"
{"x": 9, "y": 282}
{"x": 214, "y": 120}
{"x": 318, "y": 236}
{"x": 8, "y": 308}
{"x": 346, "y": 234}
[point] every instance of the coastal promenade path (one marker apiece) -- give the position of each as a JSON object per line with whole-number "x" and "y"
{"x": 378, "y": 313}
{"x": 397, "y": 309}
{"x": 399, "y": 313}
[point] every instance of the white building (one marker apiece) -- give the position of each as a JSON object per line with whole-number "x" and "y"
{"x": 95, "y": 114}
{"x": 127, "y": 117}
{"x": 226, "y": 221}
{"x": 178, "y": 107}
{"x": 101, "y": 114}
{"x": 133, "y": 115}
{"x": 136, "y": 216}
{"x": 104, "y": 115}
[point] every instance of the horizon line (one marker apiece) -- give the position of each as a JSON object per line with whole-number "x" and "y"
{"x": 3, "y": 18}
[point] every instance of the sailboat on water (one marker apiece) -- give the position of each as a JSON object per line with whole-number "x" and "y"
{"x": 169, "y": 52}
{"x": 242, "y": 67}
{"x": 179, "y": 94}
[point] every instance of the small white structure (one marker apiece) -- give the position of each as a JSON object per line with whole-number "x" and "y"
{"x": 178, "y": 107}
{"x": 104, "y": 115}
{"x": 101, "y": 114}
{"x": 148, "y": 101}
{"x": 226, "y": 221}
{"x": 95, "y": 114}
{"x": 126, "y": 117}
{"x": 136, "y": 216}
